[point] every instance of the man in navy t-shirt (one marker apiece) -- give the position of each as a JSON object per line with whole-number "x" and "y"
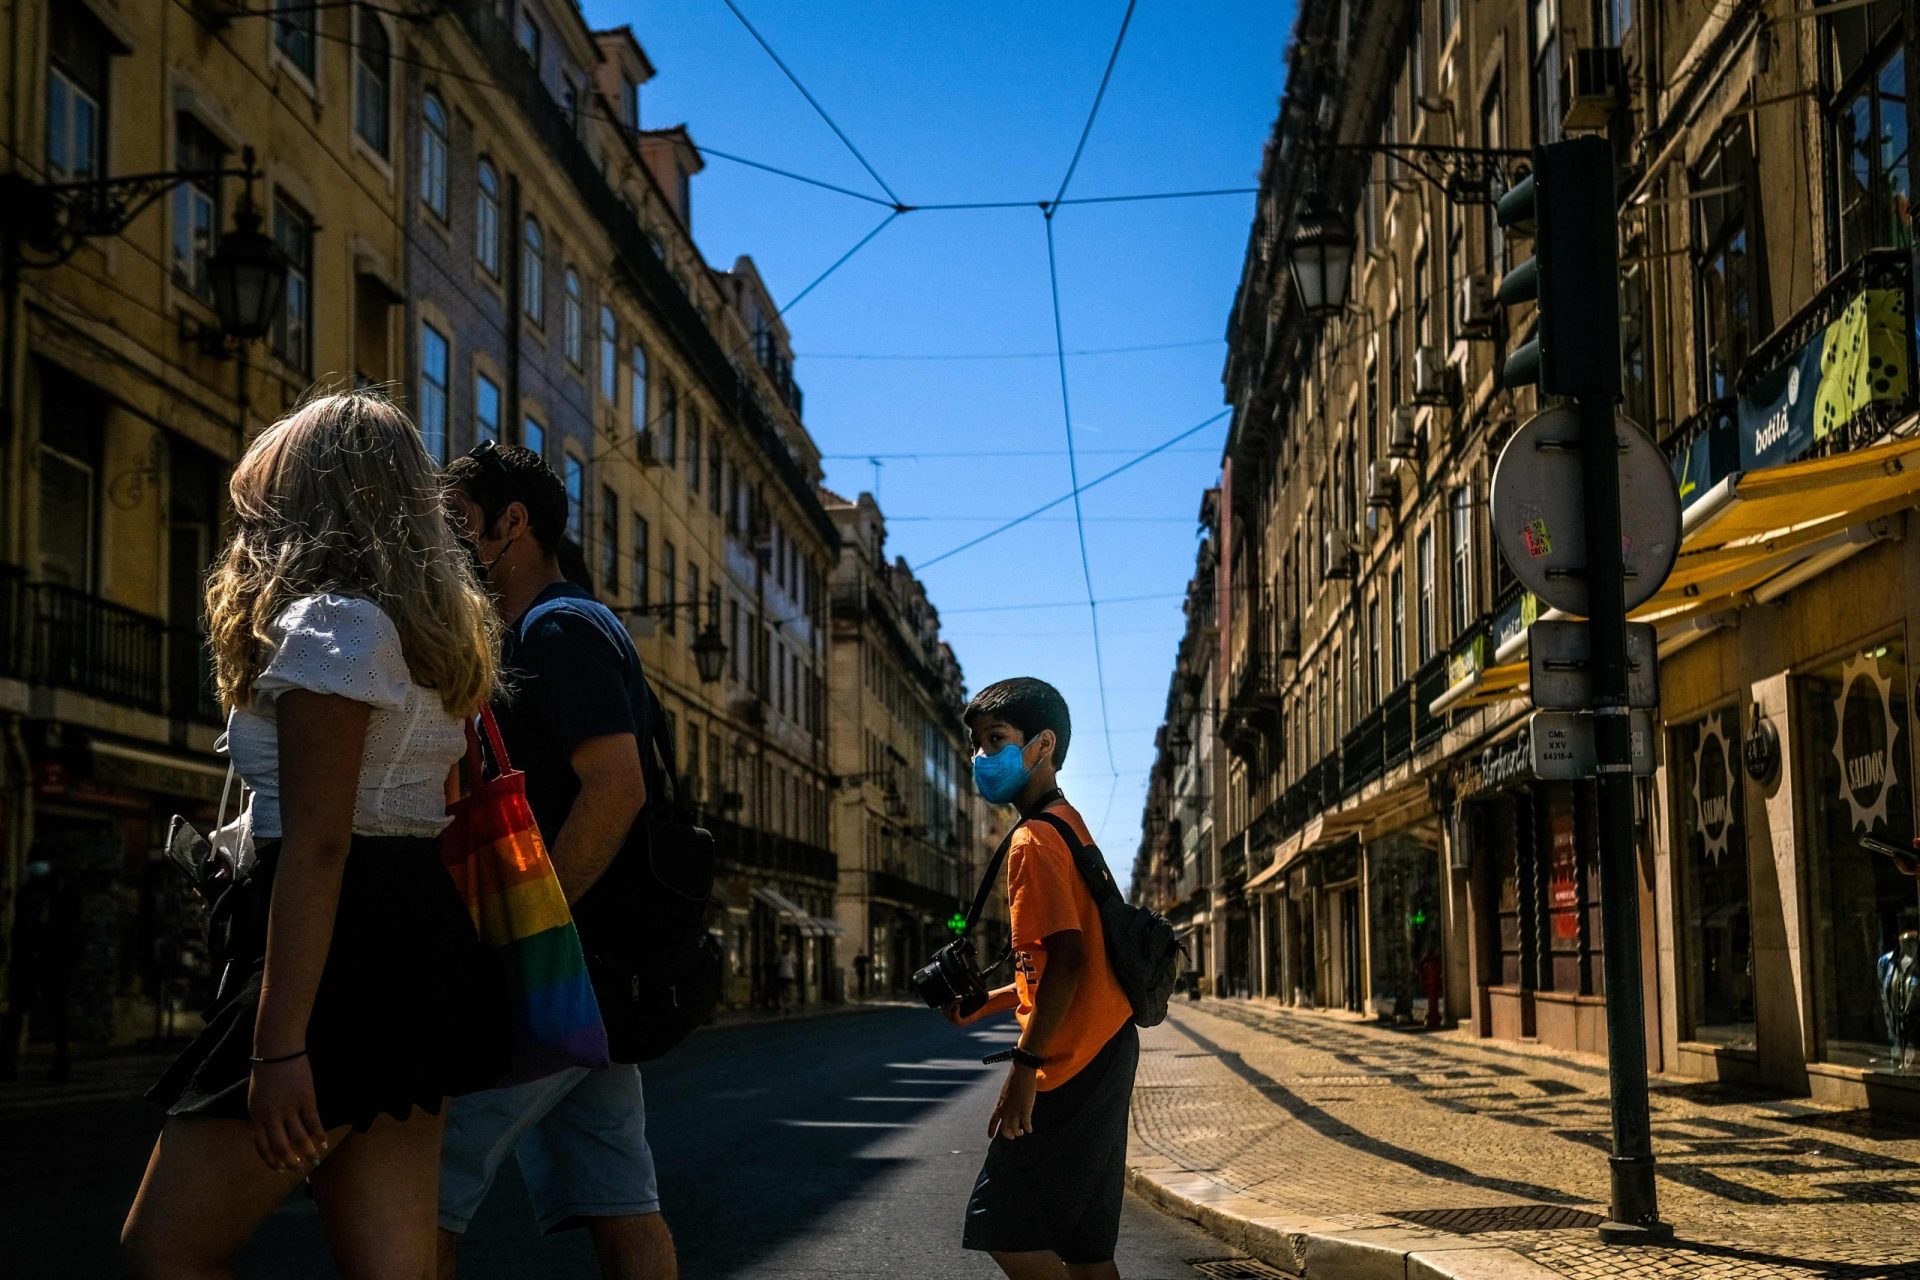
{"x": 575, "y": 716}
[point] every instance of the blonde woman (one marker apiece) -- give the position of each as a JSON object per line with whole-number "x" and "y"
{"x": 350, "y": 639}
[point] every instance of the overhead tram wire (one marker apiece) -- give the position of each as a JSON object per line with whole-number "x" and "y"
{"x": 813, "y": 102}
{"x": 1094, "y": 483}
{"x": 1066, "y": 402}
{"x": 1009, "y": 355}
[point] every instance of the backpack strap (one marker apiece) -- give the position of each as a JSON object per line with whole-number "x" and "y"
{"x": 660, "y": 742}
{"x": 1086, "y": 859}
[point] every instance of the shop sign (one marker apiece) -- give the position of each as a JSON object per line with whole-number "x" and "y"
{"x": 1711, "y": 456}
{"x": 1563, "y": 748}
{"x": 1513, "y": 621}
{"x": 1865, "y": 756}
{"x": 1855, "y": 362}
{"x": 1468, "y": 660}
{"x": 1499, "y": 765}
{"x": 1713, "y": 787}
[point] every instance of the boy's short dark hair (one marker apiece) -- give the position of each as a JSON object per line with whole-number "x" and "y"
{"x": 1030, "y": 706}
{"x": 511, "y": 475}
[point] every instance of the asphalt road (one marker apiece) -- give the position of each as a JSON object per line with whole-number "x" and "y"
{"x": 841, "y": 1146}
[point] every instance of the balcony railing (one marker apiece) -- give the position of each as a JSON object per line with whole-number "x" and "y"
{"x": 766, "y": 851}
{"x": 1429, "y": 682}
{"x": 1363, "y": 752}
{"x": 1396, "y": 715}
{"x": 1705, "y": 449}
{"x": 13, "y": 621}
{"x": 81, "y": 642}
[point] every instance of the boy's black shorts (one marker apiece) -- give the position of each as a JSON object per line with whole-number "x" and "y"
{"x": 1061, "y": 1186}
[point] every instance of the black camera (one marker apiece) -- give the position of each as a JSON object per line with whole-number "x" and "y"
{"x": 953, "y": 975}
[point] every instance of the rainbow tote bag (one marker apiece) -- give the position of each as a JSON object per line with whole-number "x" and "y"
{"x": 499, "y": 864}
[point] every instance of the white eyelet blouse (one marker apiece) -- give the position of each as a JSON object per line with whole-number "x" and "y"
{"x": 348, "y": 647}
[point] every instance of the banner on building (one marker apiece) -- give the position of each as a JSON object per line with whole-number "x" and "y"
{"x": 1856, "y": 361}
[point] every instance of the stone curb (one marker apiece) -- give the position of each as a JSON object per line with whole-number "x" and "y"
{"x": 1318, "y": 1249}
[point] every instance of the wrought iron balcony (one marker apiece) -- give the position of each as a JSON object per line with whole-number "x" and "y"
{"x": 750, "y": 848}
{"x": 1429, "y": 682}
{"x": 80, "y": 642}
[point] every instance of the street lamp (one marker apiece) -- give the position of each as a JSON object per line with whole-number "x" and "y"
{"x": 1320, "y": 256}
{"x": 248, "y": 274}
{"x": 709, "y": 653}
{"x": 1180, "y": 741}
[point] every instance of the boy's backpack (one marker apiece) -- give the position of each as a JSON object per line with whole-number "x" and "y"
{"x": 1141, "y": 945}
{"x": 656, "y": 969}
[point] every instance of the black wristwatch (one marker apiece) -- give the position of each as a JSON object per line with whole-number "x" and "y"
{"x": 1017, "y": 1055}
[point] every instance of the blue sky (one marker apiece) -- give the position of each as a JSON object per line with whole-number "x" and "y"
{"x": 985, "y": 101}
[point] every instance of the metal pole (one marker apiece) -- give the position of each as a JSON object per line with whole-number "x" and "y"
{"x": 1635, "y": 1206}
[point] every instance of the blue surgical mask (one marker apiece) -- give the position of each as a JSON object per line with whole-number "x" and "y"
{"x": 1000, "y": 776}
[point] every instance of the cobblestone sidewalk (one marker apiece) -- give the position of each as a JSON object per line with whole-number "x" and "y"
{"x": 1309, "y": 1123}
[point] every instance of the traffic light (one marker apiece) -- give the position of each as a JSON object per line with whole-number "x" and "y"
{"x": 1574, "y": 274}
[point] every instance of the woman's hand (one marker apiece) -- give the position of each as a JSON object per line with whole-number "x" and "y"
{"x": 286, "y": 1120}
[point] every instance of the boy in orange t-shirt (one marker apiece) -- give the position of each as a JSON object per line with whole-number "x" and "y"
{"x": 1050, "y": 1191}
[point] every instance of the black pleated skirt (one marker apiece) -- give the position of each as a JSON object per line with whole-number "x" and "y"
{"x": 411, "y": 1008}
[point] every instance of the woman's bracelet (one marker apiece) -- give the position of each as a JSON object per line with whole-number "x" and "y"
{"x": 285, "y": 1057}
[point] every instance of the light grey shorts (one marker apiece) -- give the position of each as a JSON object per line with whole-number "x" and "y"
{"x": 581, "y": 1138}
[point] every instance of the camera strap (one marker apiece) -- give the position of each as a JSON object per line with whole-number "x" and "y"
{"x": 999, "y": 856}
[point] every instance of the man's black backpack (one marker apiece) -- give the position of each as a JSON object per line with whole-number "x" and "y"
{"x": 1141, "y": 945}
{"x": 657, "y": 972}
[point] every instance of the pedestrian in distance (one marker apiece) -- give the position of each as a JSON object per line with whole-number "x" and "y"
{"x": 574, "y": 717}
{"x": 786, "y": 971}
{"x": 349, "y": 638}
{"x": 1047, "y": 1200}
{"x": 861, "y": 963}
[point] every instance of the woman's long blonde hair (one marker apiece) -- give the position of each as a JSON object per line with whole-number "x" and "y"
{"x": 340, "y": 496}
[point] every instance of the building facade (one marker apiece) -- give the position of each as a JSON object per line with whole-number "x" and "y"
{"x": 556, "y": 300}
{"x": 122, "y": 409}
{"x": 472, "y": 217}
{"x": 910, "y": 832}
{"x": 1402, "y": 859}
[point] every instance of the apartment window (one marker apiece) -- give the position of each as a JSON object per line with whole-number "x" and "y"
{"x": 486, "y": 408}
{"x": 533, "y": 435}
{"x": 293, "y": 329}
{"x": 1429, "y": 570}
{"x": 293, "y": 33}
{"x": 574, "y": 475}
{"x": 1416, "y": 66}
{"x": 1371, "y": 392}
{"x": 1449, "y": 15}
{"x": 1725, "y": 279}
{"x": 733, "y": 643}
{"x": 637, "y": 410}
{"x": 1636, "y": 391}
{"x": 1396, "y": 359}
{"x": 669, "y": 586}
{"x": 641, "y": 557}
{"x": 1460, "y": 547}
{"x": 573, "y": 322}
{"x": 67, "y": 520}
{"x": 1423, "y": 335}
{"x": 196, "y": 205}
{"x": 1493, "y": 135}
{"x": 526, "y": 34}
{"x": 693, "y": 601}
{"x": 669, "y": 421}
{"x": 686, "y": 199}
{"x": 533, "y": 272}
{"x": 609, "y": 542}
{"x": 1872, "y": 172}
{"x": 716, "y": 472}
{"x": 1547, "y": 110}
{"x": 1616, "y": 18}
{"x": 1397, "y": 602}
{"x": 76, "y": 95}
{"x": 372, "y": 80}
{"x": 432, "y": 407}
{"x": 433, "y": 156}
{"x": 693, "y": 449}
{"x": 1374, "y": 636}
{"x": 486, "y": 218}
{"x": 609, "y": 356}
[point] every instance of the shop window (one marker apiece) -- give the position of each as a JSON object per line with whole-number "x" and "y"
{"x": 1851, "y": 736}
{"x": 1710, "y": 848}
